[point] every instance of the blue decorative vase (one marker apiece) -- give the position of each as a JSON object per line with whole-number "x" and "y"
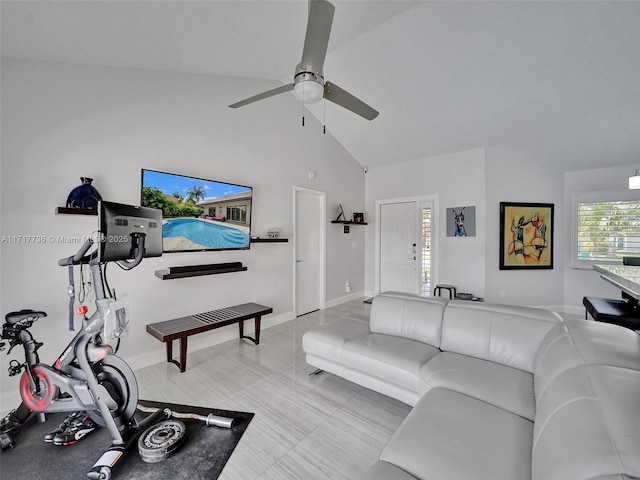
{"x": 84, "y": 196}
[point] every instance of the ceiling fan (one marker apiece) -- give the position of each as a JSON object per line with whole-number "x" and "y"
{"x": 308, "y": 80}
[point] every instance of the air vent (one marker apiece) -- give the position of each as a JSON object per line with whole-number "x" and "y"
{"x": 123, "y": 222}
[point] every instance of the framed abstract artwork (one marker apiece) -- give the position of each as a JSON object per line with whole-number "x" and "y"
{"x": 526, "y": 236}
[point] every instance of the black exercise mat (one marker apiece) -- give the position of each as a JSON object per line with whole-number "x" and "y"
{"x": 202, "y": 456}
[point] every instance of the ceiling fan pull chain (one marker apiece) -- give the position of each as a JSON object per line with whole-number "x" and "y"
{"x": 324, "y": 116}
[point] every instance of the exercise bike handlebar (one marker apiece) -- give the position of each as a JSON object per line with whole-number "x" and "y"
{"x": 79, "y": 257}
{"x": 138, "y": 240}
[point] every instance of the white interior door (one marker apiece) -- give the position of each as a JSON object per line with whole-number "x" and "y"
{"x": 399, "y": 247}
{"x": 406, "y": 244}
{"x": 310, "y": 257}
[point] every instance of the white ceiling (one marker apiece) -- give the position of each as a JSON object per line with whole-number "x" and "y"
{"x": 557, "y": 83}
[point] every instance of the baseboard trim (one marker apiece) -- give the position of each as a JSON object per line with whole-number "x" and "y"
{"x": 344, "y": 299}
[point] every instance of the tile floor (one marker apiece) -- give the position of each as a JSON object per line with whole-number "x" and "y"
{"x": 306, "y": 427}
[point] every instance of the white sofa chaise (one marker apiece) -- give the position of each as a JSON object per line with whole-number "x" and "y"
{"x": 499, "y": 392}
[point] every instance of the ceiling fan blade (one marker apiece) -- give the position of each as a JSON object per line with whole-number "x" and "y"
{"x": 263, "y": 95}
{"x": 317, "y": 37}
{"x": 341, "y": 97}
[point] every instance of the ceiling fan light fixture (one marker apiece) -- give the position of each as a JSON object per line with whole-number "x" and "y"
{"x": 634, "y": 182}
{"x": 308, "y": 91}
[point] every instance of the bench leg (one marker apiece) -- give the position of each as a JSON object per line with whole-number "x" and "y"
{"x": 257, "y": 326}
{"x": 182, "y": 363}
{"x": 183, "y": 354}
{"x": 255, "y": 340}
{"x": 169, "y": 345}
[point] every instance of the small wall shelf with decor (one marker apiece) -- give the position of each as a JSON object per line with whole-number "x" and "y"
{"x": 357, "y": 218}
{"x": 199, "y": 270}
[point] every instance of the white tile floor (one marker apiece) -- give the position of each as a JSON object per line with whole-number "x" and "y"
{"x": 305, "y": 427}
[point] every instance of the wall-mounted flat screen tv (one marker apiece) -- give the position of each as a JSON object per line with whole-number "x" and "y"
{"x": 198, "y": 214}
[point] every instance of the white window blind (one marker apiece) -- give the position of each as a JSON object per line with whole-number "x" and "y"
{"x": 605, "y": 228}
{"x": 426, "y": 251}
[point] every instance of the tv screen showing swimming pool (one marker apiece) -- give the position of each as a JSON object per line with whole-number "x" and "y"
{"x": 198, "y": 214}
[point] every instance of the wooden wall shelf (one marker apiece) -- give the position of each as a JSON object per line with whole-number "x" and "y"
{"x": 269, "y": 240}
{"x": 75, "y": 211}
{"x": 348, "y": 222}
{"x": 199, "y": 270}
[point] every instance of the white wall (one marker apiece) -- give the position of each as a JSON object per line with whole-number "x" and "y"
{"x": 484, "y": 178}
{"x": 578, "y": 282}
{"x": 513, "y": 179}
{"x": 459, "y": 180}
{"x": 60, "y": 122}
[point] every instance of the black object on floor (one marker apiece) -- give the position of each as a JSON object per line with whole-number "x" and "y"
{"x": 202, "y": 457}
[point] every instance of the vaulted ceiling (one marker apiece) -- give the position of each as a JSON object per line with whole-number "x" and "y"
{"x": 556, "y": 83}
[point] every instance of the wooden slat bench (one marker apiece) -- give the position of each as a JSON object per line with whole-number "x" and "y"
{"x": 182, "y": 328}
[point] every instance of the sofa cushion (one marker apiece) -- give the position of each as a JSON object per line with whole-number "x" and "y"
{"x": 505, "y": 387}
{"x": 499, "y": 333}
{"x": 587, "y": 425}
{"x": 451, "y": 436}
{"x": 584, "y": 342}
{"x": 409, "y": 317}
{"x": 392, "y": 359}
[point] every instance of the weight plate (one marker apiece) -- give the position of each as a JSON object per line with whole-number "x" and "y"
{"x": 159, "y": 441}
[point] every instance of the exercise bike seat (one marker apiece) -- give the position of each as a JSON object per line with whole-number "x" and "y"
{"x": 15, "y": 317}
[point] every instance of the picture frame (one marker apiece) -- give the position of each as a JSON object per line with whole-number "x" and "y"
{"x": 461, "y": 221}
{"x": 358, "y": 217}
{"x": 526, "y": 236}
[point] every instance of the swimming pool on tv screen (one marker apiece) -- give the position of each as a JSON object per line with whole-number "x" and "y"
{"x": 209, "y": 235}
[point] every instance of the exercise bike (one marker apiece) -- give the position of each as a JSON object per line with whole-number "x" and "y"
{"x": 88, "y": 376}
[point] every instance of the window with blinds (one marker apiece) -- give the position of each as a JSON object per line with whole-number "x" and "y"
{"x": 426, "y": 251}
{"x": 605, "y": 230}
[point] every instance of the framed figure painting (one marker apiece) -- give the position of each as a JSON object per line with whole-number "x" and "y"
{"x": 526, "y": 236}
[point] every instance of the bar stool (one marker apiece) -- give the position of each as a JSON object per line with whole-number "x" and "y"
{"x": 450, "y": 288}
{"x": 618, "y": 312}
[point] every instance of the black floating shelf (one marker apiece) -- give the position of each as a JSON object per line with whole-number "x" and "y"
{"x": 346, "y": 222}
{"x": 269, "y": 240}
{"x": 199, "y": 270}
{"x": 75, "y": 211}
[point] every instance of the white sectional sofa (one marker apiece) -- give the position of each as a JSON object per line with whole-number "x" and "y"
{"x": 499, "y": 392}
